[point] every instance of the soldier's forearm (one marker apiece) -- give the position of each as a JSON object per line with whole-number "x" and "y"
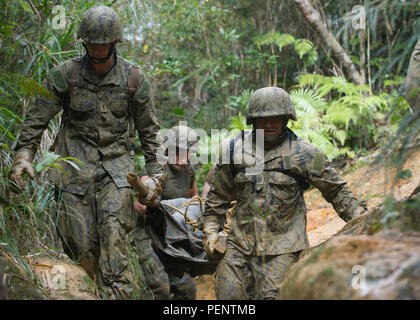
{"x": 335, "y": 190}
{"x": 351, "y": 207}
{"x": 212, "y": 224}
{"x": 147, "y": 126}
{"x": 216, "y": 210}
{"x": 154, "y": 167}
{"x": 36, "y": 120}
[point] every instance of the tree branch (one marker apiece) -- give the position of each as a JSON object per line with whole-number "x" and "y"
{"x": 315, "y": 20}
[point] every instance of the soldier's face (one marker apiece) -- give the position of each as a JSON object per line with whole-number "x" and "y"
{"x": 181, "y": 158}
{"x": 272, "y": 126}
{"x": 98, "y": 50}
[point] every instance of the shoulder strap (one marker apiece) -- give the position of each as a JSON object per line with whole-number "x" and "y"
{"x": 134, "y": 79}
{"x": 233, "y": 170}
{"x": 301, "y": 180}
{"x": 74, "y": 74}
{"x": 231, "y": 154}
{"x": 73, "y": 80}
{"x": 133, "y": 83}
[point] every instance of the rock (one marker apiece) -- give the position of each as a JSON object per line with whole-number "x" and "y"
{"x": 63, "y": 279}
{"x": 17, "y": 285}
{"x": 52, "y": 278}
{"x": 375, "y": 256}
{"x": 383, "y": 266}
{"x": 3, "y": 293}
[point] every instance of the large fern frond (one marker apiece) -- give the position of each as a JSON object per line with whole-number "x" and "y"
{"x": 307, "y": 100}
{"x": 29, "y": 86}
{"x": 302, "y": 47}
{"x": 282, "y": 39}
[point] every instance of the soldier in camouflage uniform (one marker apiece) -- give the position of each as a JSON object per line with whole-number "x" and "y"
{"x": 99, "y": 99}
{"x": 269, "y": 223}
{"x": 412, "y": 82}
{"x": 181, "y": 183}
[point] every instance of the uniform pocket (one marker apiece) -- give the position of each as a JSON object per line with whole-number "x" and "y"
{"x": 244, "y": 185}
{"x": 283, "y": 189}
{"x": 279, "y": 178}
{"x": 119, "y": 105}
{"x": 82, "y": 112}
{"x": 82, "y": 101}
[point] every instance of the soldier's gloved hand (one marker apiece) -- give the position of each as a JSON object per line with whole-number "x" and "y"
{"x": 357, "y": 212}
{"x": 156, "y": 182}
{"x": 21, "y": 165}
{"x": 360, "y": 211}
{"x": 210, "y": 242}
{"x": 211, "y": 234}
{"x": 155, "y": 185}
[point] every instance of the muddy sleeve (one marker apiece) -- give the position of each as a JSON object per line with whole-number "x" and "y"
{"x": 221, "y": 193}
{"x": 334, "y": 189}
{"x": 45, "y": 107}
{"x": 147, "y": 126}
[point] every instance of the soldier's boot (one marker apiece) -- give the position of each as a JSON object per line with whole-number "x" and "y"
{"x": 183, "y": 288}
{"x": 117, "y": 291}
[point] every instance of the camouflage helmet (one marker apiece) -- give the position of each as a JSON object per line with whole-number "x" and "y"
{"x": 270, "y": 102}
{"x": 100, "y": 25}
{"x": 185, "y": 137}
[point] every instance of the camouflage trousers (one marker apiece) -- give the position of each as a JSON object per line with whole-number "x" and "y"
{"x": 94, "y": 229}
{"x": 153, "y": 271}
{"x": 157, "y": 279}
{"x": 244, "y": 277}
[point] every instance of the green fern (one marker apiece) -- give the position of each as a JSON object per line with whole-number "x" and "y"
{"x": 348, "y": 109}
{"x": 29, "y": 86}
{"x": 302, "y": 47}
{"x": 307, "y": 100}
{"x": 51, "y": 160}
{"x": 283, "y": 39}
{"x": 237, "y": 124}
{"x": 312, "y": 125}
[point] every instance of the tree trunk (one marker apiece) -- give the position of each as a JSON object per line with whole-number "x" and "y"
{"x": 314, "y": 18}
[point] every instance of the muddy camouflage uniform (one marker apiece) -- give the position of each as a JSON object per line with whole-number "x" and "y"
{"x": 159, "y": 281}
{"x": 96, "y": 202}
{"x": 412, "y": 84}
{"x": 269, "y": 224}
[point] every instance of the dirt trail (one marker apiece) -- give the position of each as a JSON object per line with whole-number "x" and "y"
{"x": 370, "y": 182}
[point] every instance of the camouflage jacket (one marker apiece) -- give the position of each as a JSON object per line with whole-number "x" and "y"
{"x": 412, "y": 82}
{"x": 94, "y": 123}
{"x": 270, "y": 216}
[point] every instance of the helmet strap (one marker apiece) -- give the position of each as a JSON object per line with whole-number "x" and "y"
{"x": 94, "y": 60}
